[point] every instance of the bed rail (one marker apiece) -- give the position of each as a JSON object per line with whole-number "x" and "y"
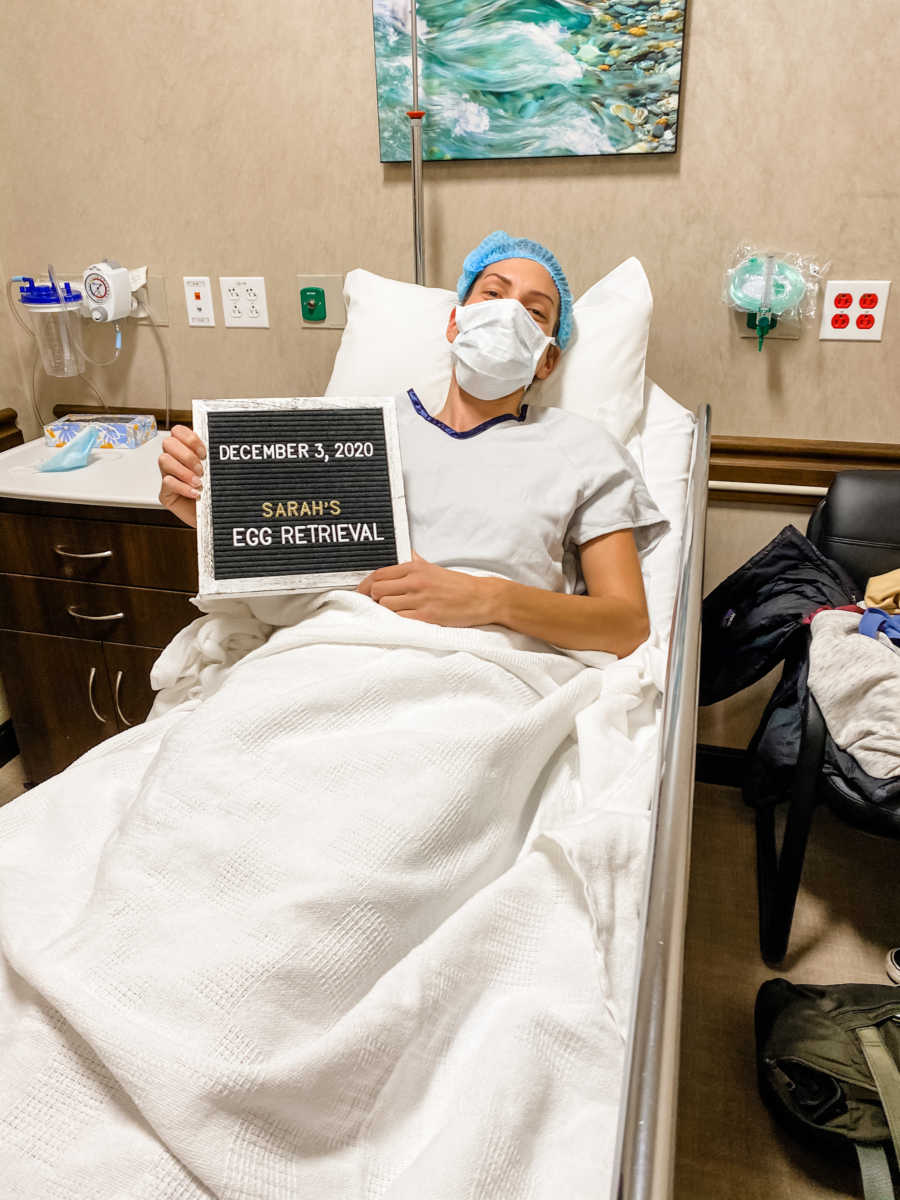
{"x": 645, "y": 1151}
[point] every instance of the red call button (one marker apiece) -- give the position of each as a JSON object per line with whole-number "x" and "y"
{"x": 840, "y": 320}
{"x": 865, "y": 321}
{"x": 868, "y": 300}
{"x": 843, "y": 300}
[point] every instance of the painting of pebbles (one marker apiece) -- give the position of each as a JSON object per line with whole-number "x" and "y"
{"x": 530, "y": 78}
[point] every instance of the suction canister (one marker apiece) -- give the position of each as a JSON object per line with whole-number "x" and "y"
{"x": 49, "y": 311}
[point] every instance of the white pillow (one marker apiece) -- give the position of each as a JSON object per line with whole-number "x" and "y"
{"x": 395, "y": 338}
{"x": 601, "y": 371}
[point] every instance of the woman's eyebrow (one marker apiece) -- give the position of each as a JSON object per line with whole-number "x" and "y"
{"x": 543, "y": 296}
{"x": 505, "y": 279}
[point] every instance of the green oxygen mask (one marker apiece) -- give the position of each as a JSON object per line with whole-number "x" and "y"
{"x": 764, "y": 286}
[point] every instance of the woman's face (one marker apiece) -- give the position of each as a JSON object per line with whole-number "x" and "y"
{"x": 532, "y": 285}
{"x": 523, "y": 280}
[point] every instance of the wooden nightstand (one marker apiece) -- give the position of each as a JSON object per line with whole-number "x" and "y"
{"x": 96, "y": 579}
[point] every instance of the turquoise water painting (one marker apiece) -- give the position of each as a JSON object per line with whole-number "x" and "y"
{"x": 530, "y": 78}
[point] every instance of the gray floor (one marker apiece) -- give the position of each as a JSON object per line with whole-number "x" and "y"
{"x": 848, "y": 916}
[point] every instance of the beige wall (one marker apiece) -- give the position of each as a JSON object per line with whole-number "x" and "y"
{"x": 229, "y": 136}
{"x": 240, "y": 136}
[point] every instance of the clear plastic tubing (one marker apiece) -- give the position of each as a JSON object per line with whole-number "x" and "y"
{"x": 48, "y": 310}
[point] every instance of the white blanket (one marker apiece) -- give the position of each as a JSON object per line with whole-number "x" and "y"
{"x": 341, "y": 921}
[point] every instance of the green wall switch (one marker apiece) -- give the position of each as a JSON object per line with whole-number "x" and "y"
{"x": 312, "y": 303}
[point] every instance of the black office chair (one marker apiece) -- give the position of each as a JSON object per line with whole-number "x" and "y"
{"x": 858, "y": 525}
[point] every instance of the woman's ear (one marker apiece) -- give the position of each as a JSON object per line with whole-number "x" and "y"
{"x": 452, "y": 331}
{"x": 547, "y": 365}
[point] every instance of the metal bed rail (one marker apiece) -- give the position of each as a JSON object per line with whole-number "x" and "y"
{"x": 645, "y": 1150}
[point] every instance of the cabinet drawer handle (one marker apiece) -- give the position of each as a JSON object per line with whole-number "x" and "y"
{"x": 91, "y": 679}
{"x": 73, "y": 612}
{"x": 63, "y": 553}
{"x": 119, "y": 712}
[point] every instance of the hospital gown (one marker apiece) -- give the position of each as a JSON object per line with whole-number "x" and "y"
{"x": 516, "y": 495}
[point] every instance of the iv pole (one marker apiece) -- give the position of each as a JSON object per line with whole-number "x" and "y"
{"x": 415, "y": 115}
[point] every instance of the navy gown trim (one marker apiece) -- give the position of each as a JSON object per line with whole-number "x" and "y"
{"x": 455, "y": 433}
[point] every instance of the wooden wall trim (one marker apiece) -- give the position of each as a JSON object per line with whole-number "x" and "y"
{"x": 795, "y": 462}
{"x": 10, "y": 434}
{"x": 177, "y": 416}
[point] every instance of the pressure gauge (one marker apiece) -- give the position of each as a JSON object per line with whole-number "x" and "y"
{"x": 96, "y": 286}
{"x": 107, "y": 288}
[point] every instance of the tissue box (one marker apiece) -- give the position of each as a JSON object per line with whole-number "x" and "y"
{"x": 116, "y": 429}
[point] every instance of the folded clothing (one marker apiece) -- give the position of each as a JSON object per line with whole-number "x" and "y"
{"x": 856, "y": 683}
{"x": 878, "y": 624}
{"x": 883, "y": 591}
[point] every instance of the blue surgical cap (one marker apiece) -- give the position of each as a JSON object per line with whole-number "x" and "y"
{"x": 498, "y": 246}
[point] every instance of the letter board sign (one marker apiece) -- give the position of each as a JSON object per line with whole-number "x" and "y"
{"x": 299, "y": 494}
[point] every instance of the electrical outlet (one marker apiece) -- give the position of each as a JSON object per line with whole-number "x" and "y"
{"x": 335, "y": 313}
{"x": 244, "y": 301}
{"x": 198, "y": 300}
{"x": 854, "y": 310}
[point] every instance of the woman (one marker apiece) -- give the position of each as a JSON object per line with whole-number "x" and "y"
{"x": 501, "y": 494}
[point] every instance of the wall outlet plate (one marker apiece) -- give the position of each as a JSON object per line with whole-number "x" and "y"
{"x": 159, "y": 305}
{"x": 198, "y": 301}
{"x": 244, "y": 301}
{"x": 335, "y": 312}
{"x": 853, "y": 310}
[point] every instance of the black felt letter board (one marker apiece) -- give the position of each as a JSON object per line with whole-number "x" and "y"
{"x": 297, "y": 490}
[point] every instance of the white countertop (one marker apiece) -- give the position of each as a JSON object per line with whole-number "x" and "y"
{"x": 128, "y": 478}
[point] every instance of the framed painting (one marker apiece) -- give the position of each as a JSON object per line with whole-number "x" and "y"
{"x": 530, "y": 78}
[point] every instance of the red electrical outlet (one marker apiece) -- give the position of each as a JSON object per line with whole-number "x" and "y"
{"x": 853, "y": 310}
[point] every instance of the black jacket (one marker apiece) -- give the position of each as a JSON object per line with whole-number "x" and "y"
{"x": 756, "y": 619}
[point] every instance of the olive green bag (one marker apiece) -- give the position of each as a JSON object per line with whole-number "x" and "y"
{"x": 828, "y": 1060}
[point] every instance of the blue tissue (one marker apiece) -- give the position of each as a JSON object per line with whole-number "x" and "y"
{"x": 75, "y": 454}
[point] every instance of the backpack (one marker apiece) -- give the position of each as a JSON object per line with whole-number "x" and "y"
{"x": 828, "y": 1061}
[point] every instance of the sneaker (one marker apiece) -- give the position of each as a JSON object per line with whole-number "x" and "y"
{"x": 892, "y": 964}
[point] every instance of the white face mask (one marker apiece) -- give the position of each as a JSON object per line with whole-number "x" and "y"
{"x": 497, "y": 348}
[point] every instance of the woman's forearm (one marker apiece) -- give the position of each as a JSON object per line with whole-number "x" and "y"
{"x": 573, "y": 622}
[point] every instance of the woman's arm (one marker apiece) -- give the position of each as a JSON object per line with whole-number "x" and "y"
{"x": 612, "y": 617}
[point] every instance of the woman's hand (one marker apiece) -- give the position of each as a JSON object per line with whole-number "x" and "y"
{"x": 426, "y": 592}
{"x": 181, "y": 468}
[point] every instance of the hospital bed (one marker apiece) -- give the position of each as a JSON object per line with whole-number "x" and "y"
{"x": 645, "y": 1153}
{"x": 672, "y": 447}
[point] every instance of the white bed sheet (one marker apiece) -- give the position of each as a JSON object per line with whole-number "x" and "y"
{"x": 282, "y": 941}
